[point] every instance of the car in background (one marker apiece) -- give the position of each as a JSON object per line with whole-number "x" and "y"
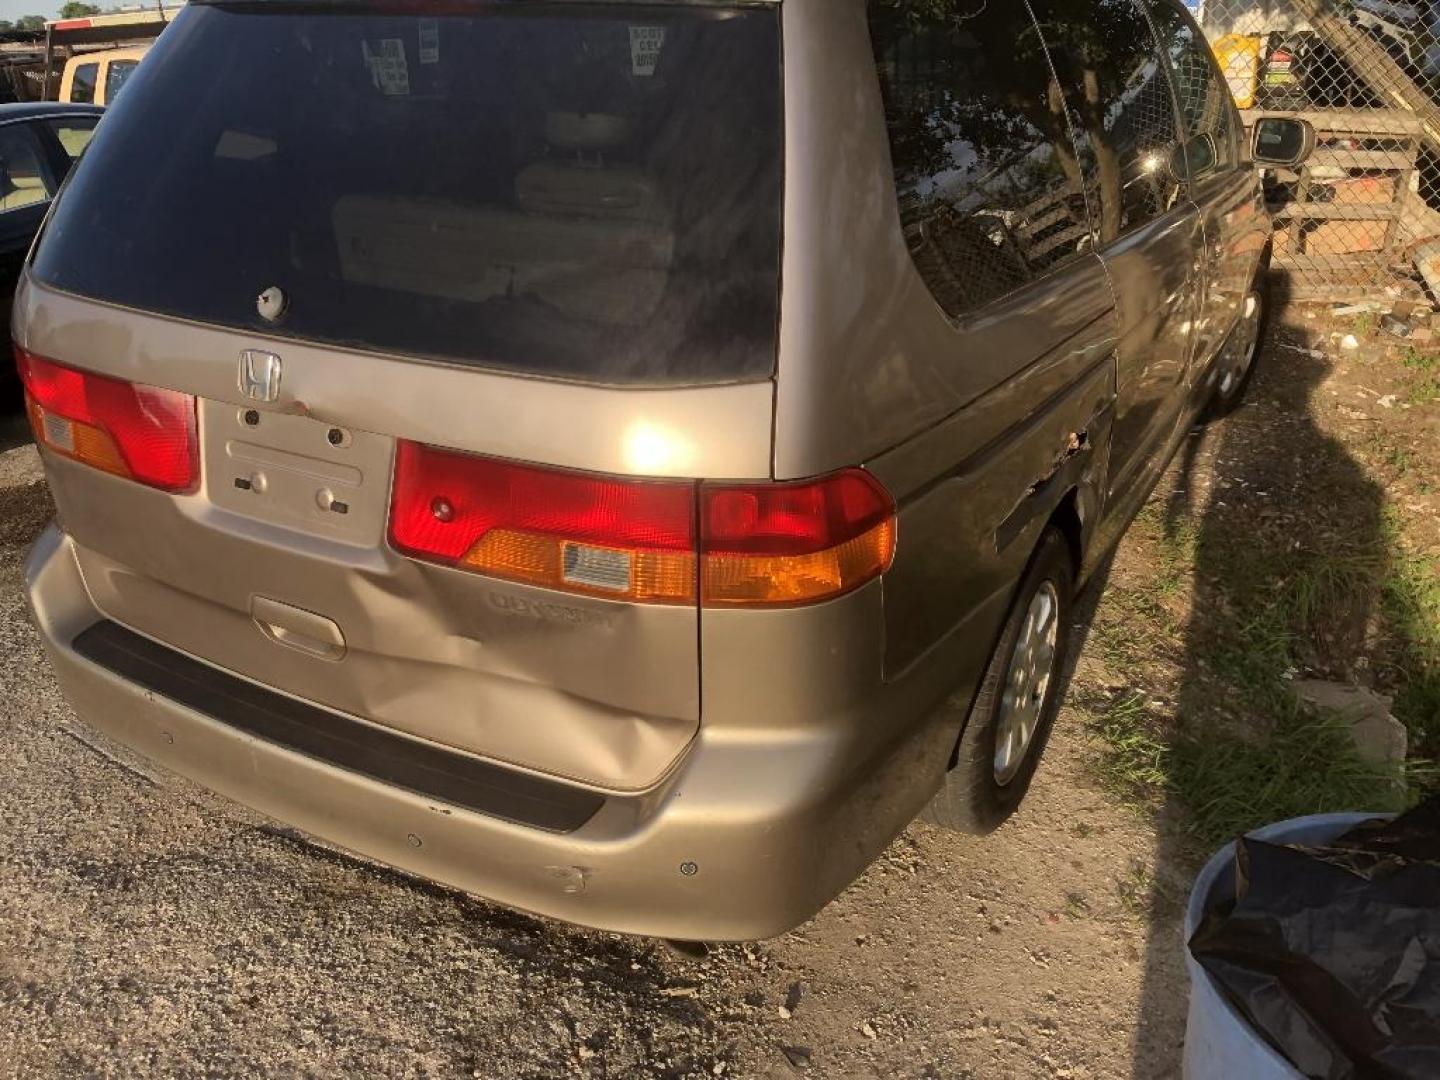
{"x": 39, "y": 141}
{"x": 95, "y": 78}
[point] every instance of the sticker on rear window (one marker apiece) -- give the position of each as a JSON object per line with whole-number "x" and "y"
{"x": 429, "y": 41}
{"x": 645, "y": 45}
{"x": 388, "y": 68}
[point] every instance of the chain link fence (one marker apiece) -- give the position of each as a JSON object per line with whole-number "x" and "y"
{"x": 1361, "y": 219}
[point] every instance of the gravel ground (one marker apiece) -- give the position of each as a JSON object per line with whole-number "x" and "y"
{"x": 148, "y": 927}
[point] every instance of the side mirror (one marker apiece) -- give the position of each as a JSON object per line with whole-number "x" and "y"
{"x": 1282, "y": 141}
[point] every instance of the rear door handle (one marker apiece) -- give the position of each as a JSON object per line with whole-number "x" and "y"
{"x": 298, "y": 629}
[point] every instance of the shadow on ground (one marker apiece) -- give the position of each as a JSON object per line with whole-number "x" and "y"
{"x": 14, "y": 427}
{"x": 1272, "y": 555}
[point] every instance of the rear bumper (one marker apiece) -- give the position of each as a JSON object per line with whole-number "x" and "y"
{"x": 747, "y": 837}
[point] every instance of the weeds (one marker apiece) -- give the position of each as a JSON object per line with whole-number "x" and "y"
{"x": 1270, "y": 601}
{"x": 1411, "y": 599}
{"x": 1424, "y": 381}
{"x": 1396, "y": 458}
{"x": 1416, "y": 360}
{"x": 1135, "y": 889}
{"x": 1302, "y": 766}
{"x": 1232, "y": 781}
{"x": 1135, "y": 766}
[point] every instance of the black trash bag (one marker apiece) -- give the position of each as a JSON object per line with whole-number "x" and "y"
{"x": 1332, "y": 954}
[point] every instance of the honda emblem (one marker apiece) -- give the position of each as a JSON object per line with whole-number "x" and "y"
{"x": 259, "y": 375}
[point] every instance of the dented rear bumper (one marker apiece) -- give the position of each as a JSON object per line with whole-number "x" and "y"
{"x": 749, "y": 835}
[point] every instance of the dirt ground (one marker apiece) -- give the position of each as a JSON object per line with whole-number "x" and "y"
{"x": 148, "y": 927}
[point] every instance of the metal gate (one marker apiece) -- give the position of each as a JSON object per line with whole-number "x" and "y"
{"x": 1363, "y": 215}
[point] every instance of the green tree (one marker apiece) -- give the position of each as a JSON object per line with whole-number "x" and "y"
{"x": 74, "y": 9}
{"x": 30, "y": 22}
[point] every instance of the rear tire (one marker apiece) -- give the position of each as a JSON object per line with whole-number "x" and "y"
{"x": 996, "y": 758}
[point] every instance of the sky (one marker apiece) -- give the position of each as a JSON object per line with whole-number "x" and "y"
{"x": 13, "y": 9}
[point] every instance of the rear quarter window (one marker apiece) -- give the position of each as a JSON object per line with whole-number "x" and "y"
{"x": 582, "y": 191}
{"x": 990, "y": 188}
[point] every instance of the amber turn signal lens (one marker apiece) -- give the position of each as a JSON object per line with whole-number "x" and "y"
{"x": 775, "y": 545}
{"x": 636, "y": 576}
{"x": 782, "y": 580}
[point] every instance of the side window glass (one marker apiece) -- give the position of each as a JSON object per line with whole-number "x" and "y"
{"x": 1203, "y": 95}
{"x": 22, "y": 181}
{"x": 1118, "y": 95}
{"x": 82, "y": 86}
{"x": 987, "y": 176}
{"x": 116, "y": 75}
{"x": 74, "y": 135}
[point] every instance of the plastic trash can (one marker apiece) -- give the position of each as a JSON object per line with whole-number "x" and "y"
{"x": 1219, "y": 1042}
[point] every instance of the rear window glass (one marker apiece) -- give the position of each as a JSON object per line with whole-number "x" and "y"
{"x": 570, "y": 190}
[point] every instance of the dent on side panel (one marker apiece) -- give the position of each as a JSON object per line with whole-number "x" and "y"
{"x": 977, "y": 490}
{"x": 867, "y": 357}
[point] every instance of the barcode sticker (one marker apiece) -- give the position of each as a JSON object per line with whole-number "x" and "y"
{"x": 388, "y": 68}
{"x": 645, "y": 45}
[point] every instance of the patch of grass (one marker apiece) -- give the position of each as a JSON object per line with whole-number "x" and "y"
{"x": 1266, "y": 607}
{"x": 1414, "y": 359}
{"x": 1231, "y": 781}
{"x": 1411, "y": 599}
{"x": 1423, "y": 390}
{"x": 1291, "y": 563}
{"x": 1179, "y": 546}
{"x": 1394, "y": 456}
{"x": 1134, "y": 889}
{"x": 1399, "y": 459}
{"x": 1303, "y": 765}
{"x": 1135, "y": 764}
{"x": 1364, "y": 325}
{"x": 1424, "y": 381}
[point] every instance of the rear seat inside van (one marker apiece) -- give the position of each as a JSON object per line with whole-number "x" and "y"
{"x": 588, "y": 236}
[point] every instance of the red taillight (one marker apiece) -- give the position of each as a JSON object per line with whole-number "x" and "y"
{"x": 775, "y": 544}
{"x": 637, "y": 540}
{"x": 603, "y": 537}
{"x": 142, "y": 433}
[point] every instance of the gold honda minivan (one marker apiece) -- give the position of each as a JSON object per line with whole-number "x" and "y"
{"x": 624, "y": 460}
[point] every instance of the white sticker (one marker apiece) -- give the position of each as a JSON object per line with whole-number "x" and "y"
{"x": 388, "y": 68}
{"x": 429, "y": 41}
{"x": 645, "y": 45}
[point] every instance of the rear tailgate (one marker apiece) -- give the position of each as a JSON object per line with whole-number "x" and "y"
{"x": 600, "y": 692}
{"x": 547, "y": 233}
